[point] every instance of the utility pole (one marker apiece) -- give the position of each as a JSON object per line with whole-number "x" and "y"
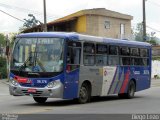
{"x": 7, "y": 56}
{"x": 45, "y": 21}
{"x": 144, "y": 21}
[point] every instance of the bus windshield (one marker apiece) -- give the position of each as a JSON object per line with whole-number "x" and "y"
{"x": 38, "y": 55}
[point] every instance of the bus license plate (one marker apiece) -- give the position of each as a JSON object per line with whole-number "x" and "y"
{"x": 32, "y": 90}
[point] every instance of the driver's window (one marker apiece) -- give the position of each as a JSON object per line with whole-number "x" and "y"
{"x": 73, "y": 54}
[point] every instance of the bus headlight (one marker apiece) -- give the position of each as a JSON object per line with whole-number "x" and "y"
{"x": 14, "y": 82}
{"x": 53, "y": 83}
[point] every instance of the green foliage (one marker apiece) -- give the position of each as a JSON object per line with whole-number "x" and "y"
{"x": 150, "y": 38}
{"x": 2, "y": 39}
{"x": 153, "y": 42}
{"x": 12, "y": 39}
{"x": 139, "y": 32}
{"x": 3, "y": 68}
{"x": 155, "y": 58}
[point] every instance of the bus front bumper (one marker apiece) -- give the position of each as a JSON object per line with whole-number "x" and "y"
{"x": 55, "y": 92}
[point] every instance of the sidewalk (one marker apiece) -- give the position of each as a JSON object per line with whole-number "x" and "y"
{"x": 4, "y": 81}
{"x": 155, "y": 83}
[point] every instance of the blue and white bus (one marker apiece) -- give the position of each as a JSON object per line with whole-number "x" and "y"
{"x": 71, "y": 65}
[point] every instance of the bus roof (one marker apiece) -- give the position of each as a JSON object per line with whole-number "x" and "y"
{"x": 81, "y": 37}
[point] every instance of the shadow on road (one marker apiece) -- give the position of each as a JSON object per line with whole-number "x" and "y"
{"x": 62, "y": 103}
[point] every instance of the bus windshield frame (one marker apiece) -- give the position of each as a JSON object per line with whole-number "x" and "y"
{"x": 40, "y": 55}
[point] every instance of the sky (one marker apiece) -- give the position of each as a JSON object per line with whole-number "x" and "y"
{"x": 59, "y": 8}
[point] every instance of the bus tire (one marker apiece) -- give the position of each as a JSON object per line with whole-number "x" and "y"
{"x": 84, "y": 94}
{"x": 131, "y": 90}
{"x": 121, "y": 95}
{"x": 40, "y": 99}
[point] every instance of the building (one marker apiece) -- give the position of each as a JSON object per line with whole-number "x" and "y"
{"x": 97, "y": 22}
{"x": 156, "y": 51}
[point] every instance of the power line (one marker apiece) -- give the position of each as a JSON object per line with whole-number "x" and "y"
{"x": 11, "y": 16}
{"x": 153, "y": 29}
{"x": 158, "y": 5}
{"x": 26, "y": 10}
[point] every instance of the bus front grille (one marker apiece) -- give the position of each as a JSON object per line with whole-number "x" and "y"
{"x": 37, "y": 93}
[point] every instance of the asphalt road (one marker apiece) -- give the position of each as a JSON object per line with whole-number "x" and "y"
{"x": 146, "y": 101}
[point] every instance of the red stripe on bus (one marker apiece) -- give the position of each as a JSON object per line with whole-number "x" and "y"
{"x": 125, "y": 82}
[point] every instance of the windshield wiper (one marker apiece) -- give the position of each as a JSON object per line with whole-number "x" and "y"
{"x": 25, "y": 62}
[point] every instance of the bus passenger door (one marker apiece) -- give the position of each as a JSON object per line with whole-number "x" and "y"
{"x": 72, "y": 69}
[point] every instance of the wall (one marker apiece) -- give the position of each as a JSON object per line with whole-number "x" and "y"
{"x": 155, "y": 68}
{"x": 81, "y": 24}
{"x": 95, "y": 26}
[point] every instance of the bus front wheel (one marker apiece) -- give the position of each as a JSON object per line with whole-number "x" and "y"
{"x": 84, "y": 94}
{"x": 40, "y": 99}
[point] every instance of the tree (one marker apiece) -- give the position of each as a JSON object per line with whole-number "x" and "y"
{"x": 29, "y": 23}
{"x": 139, "y": 32}
{"x": 3, "y": 68}
{"x": 150, "y": 38}
{"x": 2, "y": 39}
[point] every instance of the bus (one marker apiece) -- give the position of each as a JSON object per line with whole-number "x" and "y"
{"x": 75, "y": 66}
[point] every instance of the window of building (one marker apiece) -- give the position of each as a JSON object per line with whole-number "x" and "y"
{"x": 122, "y": 29}
{"x": 107, "y": 24}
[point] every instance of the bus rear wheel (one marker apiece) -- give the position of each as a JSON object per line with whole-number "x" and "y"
{"x": 84, "y": 94}
{"x": 40, "y": 99}
{"x": 130, "y": 92}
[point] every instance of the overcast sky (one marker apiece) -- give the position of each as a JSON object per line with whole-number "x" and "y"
{"x": 60, "y": 8}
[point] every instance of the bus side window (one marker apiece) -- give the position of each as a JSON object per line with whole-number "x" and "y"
{"x": 89, "y": 54}
{"x": 134, "y": 51}
{"x": 113, "y": 55}
{"x": 73, "y": 54}
{"x": 101, "y": 54}
{"x": 143, "y": 52}
{"x": 125, "y": 55}
{"x": 113, "y": 50}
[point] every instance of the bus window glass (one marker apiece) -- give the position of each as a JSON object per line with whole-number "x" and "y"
{"x": 143, "y": 52}
{"x": 124, "y": 51}
{"x": 89, "y": 54}
{"x": 113, "y": 60}
{"x": 101, "y": 60}
{"x": 101, "y": 49}
{"x": 134, "y": 52}
{"x": 139, "y": 61}
{"x": 38, "y": 55}
{"x": 113, "y": 50}
{"x": 125, "y": 60}
{"x": 89, "y": 48}
{"x": 89, "y": 59}
{"x": 73, "y": 55}
{"x": 145, "y": 62}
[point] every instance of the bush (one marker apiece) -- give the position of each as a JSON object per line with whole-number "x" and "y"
{"x": 3, "y": 68}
